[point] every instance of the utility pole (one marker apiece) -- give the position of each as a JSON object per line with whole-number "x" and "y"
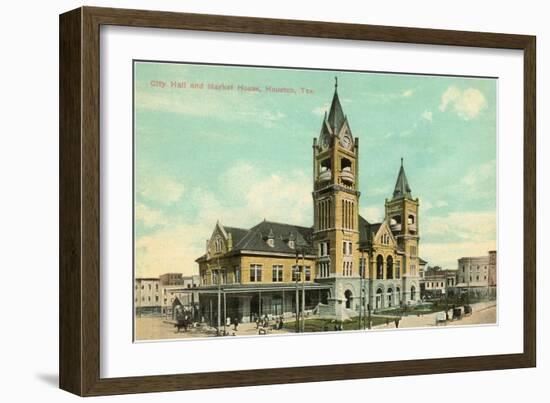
{"x": 224, "y": 311}
{"x": 296, "y": 271}
{"x": 219, "y": 297}
{"x": 365, "y": 311}
{"x": 362, "y": 293}
{"x": 303, "y": 274}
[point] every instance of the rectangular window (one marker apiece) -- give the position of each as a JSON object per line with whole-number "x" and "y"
{"x": 308, "y": 273}
{"x": 277, "y": 276}
{"x": 255, "y": 273}
{"x": 237, "y": 274}
{"x": 362, "y": 267}
{"x": 215, "y": 277}
{"x": 296, "y": 275}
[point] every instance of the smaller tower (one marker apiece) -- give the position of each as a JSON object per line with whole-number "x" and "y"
{"x": 402, "y": 216}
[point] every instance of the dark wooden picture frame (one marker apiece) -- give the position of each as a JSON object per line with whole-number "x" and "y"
{"x": 79, "y": 86}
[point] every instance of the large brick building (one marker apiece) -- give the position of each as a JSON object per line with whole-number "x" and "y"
{"x": 260, "y": 268}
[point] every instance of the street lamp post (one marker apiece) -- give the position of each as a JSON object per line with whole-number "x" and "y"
{"x": 365, "y": 311}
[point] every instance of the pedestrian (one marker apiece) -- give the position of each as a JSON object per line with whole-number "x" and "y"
{"x": 235, "y": 323}
{"x": 281, "y": 322}
{"x": 396, "y": 323}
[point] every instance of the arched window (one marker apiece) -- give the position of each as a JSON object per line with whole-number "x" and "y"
{"x": 345, "y": 164}
{"x": 413, "y": 292}
{"x": 348, "y": 296}
{"x": 379, "y": 267}
{"x": 389, "y": 267}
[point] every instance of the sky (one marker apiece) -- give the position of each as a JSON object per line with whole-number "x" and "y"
{"x": 226, "y": 143}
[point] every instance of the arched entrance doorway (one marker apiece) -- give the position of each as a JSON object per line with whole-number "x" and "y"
{"x": 378, "y": 303}
{"x": 348, "y": 295}
{"x": 389, "y": 293}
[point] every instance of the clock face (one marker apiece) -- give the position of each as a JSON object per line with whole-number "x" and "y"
{"x": 325, "y": 141}
{"x": 345, "y": 141}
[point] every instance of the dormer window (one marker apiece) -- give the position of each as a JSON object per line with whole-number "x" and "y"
{"x": 270, "y": 239}
{"x": 291, "y": 241}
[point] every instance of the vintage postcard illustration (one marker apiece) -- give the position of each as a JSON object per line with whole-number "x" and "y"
{"x": 275, "y": 200}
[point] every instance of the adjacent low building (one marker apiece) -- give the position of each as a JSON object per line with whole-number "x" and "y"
{"x": 436, "y": 282}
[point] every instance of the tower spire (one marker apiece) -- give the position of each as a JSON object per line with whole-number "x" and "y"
{"x": 402, "y": 188}
{"x": 336, "y": 115}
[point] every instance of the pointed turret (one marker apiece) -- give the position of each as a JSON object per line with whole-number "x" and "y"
{"x": 402, "y": 188}
{"x": 336, "y": 117}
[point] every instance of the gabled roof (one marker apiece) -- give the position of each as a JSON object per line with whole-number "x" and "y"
{"x": 402, "y": 188}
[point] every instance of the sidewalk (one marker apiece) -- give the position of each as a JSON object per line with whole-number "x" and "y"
{"x": 483, "y": 313}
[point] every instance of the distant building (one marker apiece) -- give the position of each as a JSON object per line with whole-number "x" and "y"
{"x": 477, "y": 274}
{"x": 436, "y": 282}
{"x": 178, "y": 279}
{"x": 492, "y": 268}
{"x": 147, "y": 295}
{"x": 160, "y": 295}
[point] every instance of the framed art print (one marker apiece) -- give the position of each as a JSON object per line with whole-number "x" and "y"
{"x": 262, "y": 201}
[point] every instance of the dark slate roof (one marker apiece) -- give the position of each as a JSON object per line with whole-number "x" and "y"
{"x": 336, "y": 117}
{"x": 237, "y": 234}
{"x": 365, "y": 227}
{"x": 256, "y": 237}
{"x": 402, "y": 188}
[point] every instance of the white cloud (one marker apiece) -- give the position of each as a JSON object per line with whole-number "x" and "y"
{"x": 466, "y": 103}
{"x": 321, "y": 110}
{"x": 390, "y": 96}
{"x": 248, "y": 196}
{"x": 427, "y": 205}
{"x": 372, "y": 214}
{"x": 464, "y": 226}
{"x": 447, "y": 254}
{"x": 148, "y": 216}
{"x": 171, "y": 249}
{"x": 457, "y": 235}
{"x": 427, "y": 115}
{"x": 276, "y": 196}
{"x": 159, "y": 188}
{"x": 480, "y": 181}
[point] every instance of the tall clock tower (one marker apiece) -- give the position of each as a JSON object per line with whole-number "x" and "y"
{"x": 336, "y": 202}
